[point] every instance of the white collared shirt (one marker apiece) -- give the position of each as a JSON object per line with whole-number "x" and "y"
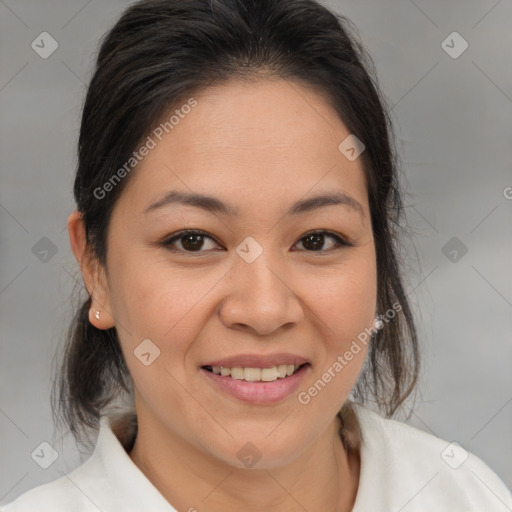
{"x": 402, "y": 469}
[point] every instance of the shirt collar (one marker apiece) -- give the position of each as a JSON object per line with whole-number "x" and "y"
{"x": 375, "y": 466}
{"x": 121, "y": 478}
{"x": 117, "y": 433}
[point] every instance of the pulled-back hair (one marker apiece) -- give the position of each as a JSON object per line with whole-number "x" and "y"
{"x": 161, "y": 52}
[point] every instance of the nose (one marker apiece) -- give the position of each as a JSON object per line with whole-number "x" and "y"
{"x": 260, "y": 297}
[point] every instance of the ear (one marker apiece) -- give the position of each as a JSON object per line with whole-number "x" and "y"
{"x": 93, "y": 273}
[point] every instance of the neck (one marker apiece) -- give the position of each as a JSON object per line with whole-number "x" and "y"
{"x": 324, "y": 477}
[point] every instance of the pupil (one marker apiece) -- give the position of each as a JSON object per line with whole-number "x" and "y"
{"x": 189, "y": 243}
{"x": 317, "y": 241}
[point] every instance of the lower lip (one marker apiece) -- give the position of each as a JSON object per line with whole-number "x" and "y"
{"x": 258, "y": 392}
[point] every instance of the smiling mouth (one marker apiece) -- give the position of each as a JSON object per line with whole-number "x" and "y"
{"x": 272, "y": 374}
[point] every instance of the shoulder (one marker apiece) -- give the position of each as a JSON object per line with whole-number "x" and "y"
{"x": 86, "y": 488}
{"x": 68, "y": 492}
{"x": 414, "y": 470}
{"x": 107, "y": 480}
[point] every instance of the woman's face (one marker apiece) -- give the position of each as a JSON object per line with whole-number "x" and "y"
{"x": 255, "y": 285}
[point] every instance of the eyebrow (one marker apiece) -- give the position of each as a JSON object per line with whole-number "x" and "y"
{"x": 215, "y": 205}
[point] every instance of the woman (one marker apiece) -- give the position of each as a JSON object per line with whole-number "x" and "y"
{"x": 236, "y": 224}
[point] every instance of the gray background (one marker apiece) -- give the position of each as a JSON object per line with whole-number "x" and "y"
{"x": 453, "y": 119}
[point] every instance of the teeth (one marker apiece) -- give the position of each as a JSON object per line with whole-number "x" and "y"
{"x": 281, "y": 370}
{"x": 252, "y": 374}
{"x": 237, "y": 373}
{"x": 256, "y": 374}
{"x": 269, "y": 374}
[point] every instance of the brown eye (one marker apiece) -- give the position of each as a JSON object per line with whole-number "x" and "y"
{"x": 314, "y": 241}
{"x": 190, "y": 241}
{"x": 193, "y": 241}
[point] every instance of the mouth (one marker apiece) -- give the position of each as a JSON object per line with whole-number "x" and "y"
{"x": 248, "y": 374}
{"x": 257, "y": 386}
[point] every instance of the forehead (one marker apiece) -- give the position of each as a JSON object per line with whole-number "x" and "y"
{"x": 250, "y": 143}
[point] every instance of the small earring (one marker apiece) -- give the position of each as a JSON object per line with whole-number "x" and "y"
{"x": 378, "y": 324}
{"x": 97, "y": 314}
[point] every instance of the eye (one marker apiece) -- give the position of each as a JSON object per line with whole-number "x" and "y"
{"x": 192, "y": 240}
{"x": 314, "y": 241}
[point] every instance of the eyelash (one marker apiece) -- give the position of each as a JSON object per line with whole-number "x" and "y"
{"x": 167, "y": 243}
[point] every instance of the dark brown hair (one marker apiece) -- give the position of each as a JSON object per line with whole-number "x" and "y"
{"x": 162, "y": 51}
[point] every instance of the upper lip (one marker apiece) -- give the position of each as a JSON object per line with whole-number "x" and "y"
{"x": 257, "y": 361}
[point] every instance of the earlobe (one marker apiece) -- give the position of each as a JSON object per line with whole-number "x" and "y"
{"x": 100, "y": 317}
{"x": 93, "y": 276}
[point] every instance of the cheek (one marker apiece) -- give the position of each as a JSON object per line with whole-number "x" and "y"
{"x": 163, "y": 304}
{"x": 345, "y": 299}
{"x": 345, "y": 306}
{"x": 150, "y": 296}
{"x": 156, "y": 303}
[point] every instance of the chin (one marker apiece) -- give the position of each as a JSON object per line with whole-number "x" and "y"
{"x": 258, "y": 452}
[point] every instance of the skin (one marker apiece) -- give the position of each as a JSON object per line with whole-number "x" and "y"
{"x": 260, "y": 147}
